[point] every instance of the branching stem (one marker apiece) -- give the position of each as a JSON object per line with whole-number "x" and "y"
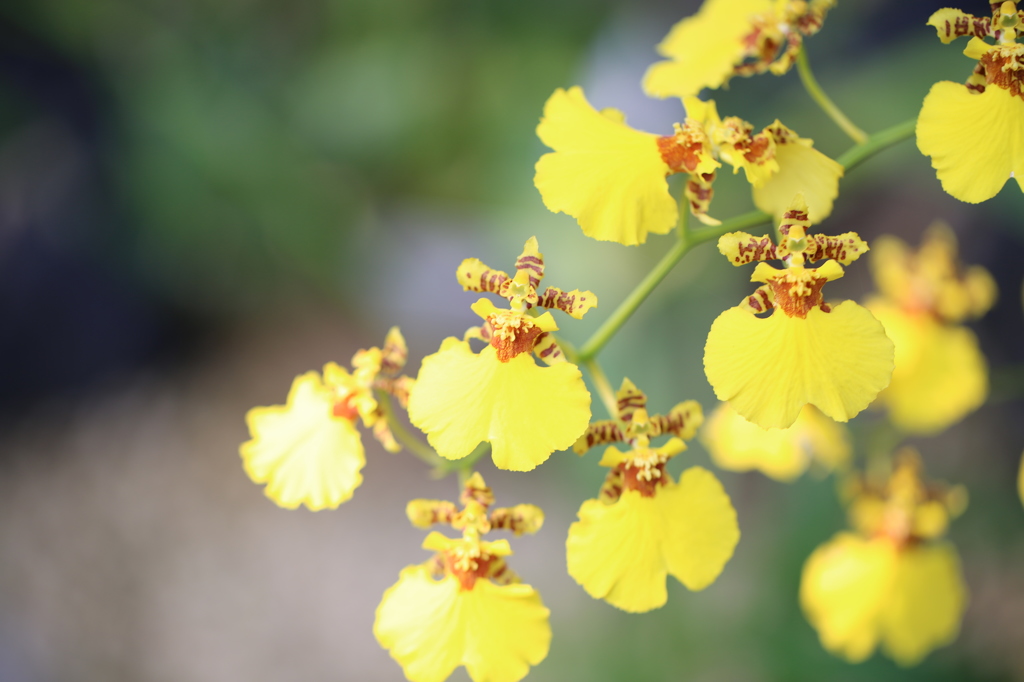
{"x": 803, "y": 67}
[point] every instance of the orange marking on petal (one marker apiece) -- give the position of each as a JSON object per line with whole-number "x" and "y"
{"x": 345, "y": 409}
{"x": 797, "y": 303}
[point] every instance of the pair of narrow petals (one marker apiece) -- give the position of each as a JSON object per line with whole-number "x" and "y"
{"x": 975, "y": 140}
{"x": 432, "y": 626}
{"x": 525, "y": 411}
{"x": 623, "y": 552}
{"x": 940, "y": 374}
{"x": 303, "y": 451}
{"x": 769, "y": 368}
{"x": 859, "y": 593}
{"x": 736, "y": 444}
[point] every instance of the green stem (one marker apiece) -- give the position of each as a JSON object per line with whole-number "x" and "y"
{"x": 414, "y": 445}
{"x": 690, "y": 238}
{"x": 803, "y": 67}
{"x": 604, "y": 389}
{"x": 465, "y": 465}
{"x": 687, "y": 240}
{"x": 876, "y": 143}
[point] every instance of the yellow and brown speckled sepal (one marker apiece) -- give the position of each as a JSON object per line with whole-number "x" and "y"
{"x": 699, "y": 192}
{"x": 474, "y": 275}
{"x": 682, "y": 421}
{"x": 547, "y": 349}
{"x": 742, "y": 248}
{"x": 951, "y": 24}
{"x": 844, "y": 248}
{"x": 633, "y": 422}
{"x": 574, "y": 303}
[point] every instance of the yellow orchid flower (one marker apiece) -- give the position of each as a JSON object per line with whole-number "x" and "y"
{"x": 973, "y": 132}
{"x": 806, "y": 351}
{"x": 729, "y": 38}
{"x": 1020, "y": 480}
{"x": 308, "y": 451}
{"x": 465, "y": 606}
{"x": 646, "y": 526}
{"x": 612, "y": 178}
{"x": 500, "y": 395}
{"x": 736, "y": 444}
{"x": 941, "y": 374}
{"x": 893, "y": 582}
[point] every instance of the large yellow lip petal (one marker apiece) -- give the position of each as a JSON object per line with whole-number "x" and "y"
{"x": 843, "y": 589}
{"x": 525, "y": 411}
{"x": 615, "y": 552}
{"x": 608, "y": 176}
{"x": 432, "y": 626}
{"x": 802, "y": 168}
{"x": 623, "y": 552}
{"x": 857, "y": 592}
{"x": 769, "y": 368}
{"x": 704, "y": 531}
{"x": 301, "y": 451}
{"x": 940, "y": 375}
{"x": 975, "y": 141}
{"x": 783, "y": 454}
{"x": 927, "y": 602}
{"x": 703, "y": 49}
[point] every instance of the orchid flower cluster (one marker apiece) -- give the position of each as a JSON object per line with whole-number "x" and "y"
{"x": 789, "y": 364}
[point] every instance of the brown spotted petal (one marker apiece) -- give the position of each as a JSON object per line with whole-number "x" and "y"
{"x": 474, "y": 275}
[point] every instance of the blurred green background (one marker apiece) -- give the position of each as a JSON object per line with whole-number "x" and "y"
{"x": 199, "y": 200}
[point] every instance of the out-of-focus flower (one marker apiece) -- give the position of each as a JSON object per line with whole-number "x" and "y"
{"x": 806, "y": 351}
{"x": 308, "y": 450}
{"x": 500, "y": 394}
{"x": 892, "y": 582}
{"x": 1020, "y": 480}
{"x": 784, "y": 454}
{"x": 972, "y": 132}
{"x": 729, "y": 38}
{"x": 941, "y": 374}
{"x": 465, "y": 606}
{"x": 612, "y": 178}
{"x": 645, "y": 526}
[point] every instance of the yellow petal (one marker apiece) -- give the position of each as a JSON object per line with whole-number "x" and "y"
{"x": 703, "y": 532}
{"x": 703, "y": 49}
{"x": 769, "y": 368}
{"x": 1020, "y": 480}
{"x": 432, "y": 626}
{"x": 623, "y": 552}
{"x": 301, "y": 451}
{"x": 844, "y": 587}
{"x": 525, "y": 411}
{"x": 608, "y": 176}
{"x": 802, "y": 168}
{"x": 927, "y": 601}
{"x": 940, "y": 376}
{"x": 738, "y": 445}
{"x": 975, "y": 141}
{"x": 615, "y": 552}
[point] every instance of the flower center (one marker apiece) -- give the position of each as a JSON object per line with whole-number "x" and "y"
{"x": 645, "y": 472}
{"x": 1003, "y": 68}
{"x": 344, "y": 408}
{"x": 682, "y": 151}
{"x": 512, "y": 333}
{"x": 797, "y": 291}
